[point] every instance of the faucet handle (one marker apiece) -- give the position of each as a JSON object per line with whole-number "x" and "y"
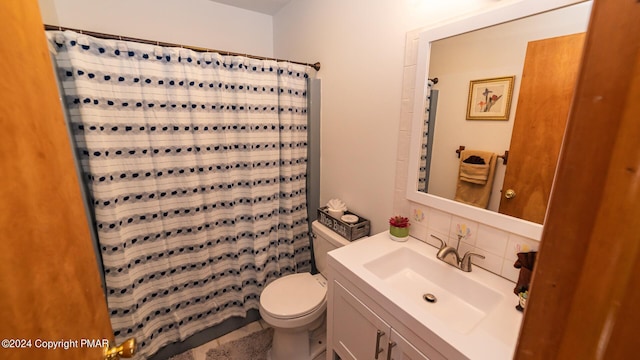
{"x": 442, "y": 243}
{"x": 465, "y": 264}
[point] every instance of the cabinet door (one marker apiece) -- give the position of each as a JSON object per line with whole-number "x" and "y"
{"x": 401, "y": 349}
{"x": 358, "y": 333}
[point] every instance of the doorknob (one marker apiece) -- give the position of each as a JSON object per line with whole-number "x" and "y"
{"x": 126, "y": 350}
{"x": 510, "y": 194}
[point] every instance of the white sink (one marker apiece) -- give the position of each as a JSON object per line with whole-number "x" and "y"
{"x": 474, "y": 316}
{"x": 461, "y": 302}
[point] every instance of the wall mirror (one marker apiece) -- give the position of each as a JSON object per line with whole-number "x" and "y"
{"x": 450, "y": 53}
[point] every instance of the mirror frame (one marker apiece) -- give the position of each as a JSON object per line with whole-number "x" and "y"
{"x": 494, "y": 16}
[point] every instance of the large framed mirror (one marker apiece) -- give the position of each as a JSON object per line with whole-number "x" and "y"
{"x": 485, "y": 46}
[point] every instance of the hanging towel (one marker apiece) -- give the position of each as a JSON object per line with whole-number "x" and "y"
{"x": 475, "y": 179}
{"x": 474, "y": 169}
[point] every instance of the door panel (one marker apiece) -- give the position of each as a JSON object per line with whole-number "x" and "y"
{"x": 355, "y": 328}
{"x": 402, "y": 349}
{"x": 548, "y": 81}
{"x": 49, "y": 282}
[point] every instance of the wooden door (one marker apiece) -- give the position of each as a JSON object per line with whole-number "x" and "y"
{"x": 583, "y": 302}
{"x": 548, "y": 81}
{"x": 50, "y": 293}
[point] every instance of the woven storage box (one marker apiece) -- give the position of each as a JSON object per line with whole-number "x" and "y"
{"x": 348, "y": 231}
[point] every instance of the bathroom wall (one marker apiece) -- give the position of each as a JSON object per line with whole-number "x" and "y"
{"x": 201, "y": 23}
{"x": 361, "y": 46}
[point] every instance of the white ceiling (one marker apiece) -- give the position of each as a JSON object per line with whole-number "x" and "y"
{"x": 269, "y": 7}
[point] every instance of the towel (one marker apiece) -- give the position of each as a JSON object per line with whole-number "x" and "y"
{"x": 525, "y": 263}
{"x": 475, "y": 180}
{"x": 476, "y": 173}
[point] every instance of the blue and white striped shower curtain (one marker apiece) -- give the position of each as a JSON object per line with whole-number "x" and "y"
{"x": 196, "y": 163}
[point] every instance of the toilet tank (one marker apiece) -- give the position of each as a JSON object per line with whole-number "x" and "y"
{"x": 324, "y": 241}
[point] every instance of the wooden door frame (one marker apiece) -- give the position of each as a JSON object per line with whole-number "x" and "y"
{"x": 585, "y": 284}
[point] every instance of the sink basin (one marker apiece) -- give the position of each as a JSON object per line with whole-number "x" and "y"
{"x": 461, "y": 302}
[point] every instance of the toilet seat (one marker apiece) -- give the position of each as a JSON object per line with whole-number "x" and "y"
{"x": 294, "y": 296}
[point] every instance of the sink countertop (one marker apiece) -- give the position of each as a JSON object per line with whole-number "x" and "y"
{"x": 492, "y": 337}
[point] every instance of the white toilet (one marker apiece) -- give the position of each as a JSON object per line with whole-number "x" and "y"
{"x": 295, "y": 305}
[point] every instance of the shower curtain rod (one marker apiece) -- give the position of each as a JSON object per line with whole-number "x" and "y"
{"x": 316, "y": 66}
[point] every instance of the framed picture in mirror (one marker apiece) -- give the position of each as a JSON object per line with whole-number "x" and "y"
{"x": 490, "y": 99}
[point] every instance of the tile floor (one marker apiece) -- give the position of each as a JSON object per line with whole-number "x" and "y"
{"x": 200, "y": 353}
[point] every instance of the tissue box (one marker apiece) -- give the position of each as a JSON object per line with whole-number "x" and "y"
{"x": 348, "y": 231}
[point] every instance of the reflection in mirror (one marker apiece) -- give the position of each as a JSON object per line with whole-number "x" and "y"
{"x": 502, "y": 14}
{"x": 426, "y": 150}
{"x": 494, "y": 52}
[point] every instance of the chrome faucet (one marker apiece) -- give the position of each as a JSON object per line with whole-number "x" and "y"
{"x": 450, "y": 255}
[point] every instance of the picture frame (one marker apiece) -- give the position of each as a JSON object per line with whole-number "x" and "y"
{"x": 490, "y": 99}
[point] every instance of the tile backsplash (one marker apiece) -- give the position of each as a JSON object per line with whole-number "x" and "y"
{"x": 498, "y": 247}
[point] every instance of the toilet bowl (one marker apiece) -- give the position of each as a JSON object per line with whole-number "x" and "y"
{"x": 295, "y": 305}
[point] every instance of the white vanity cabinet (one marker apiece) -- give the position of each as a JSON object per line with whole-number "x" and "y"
{"x": 401, "y": 349}
{"x": 357, "y": 332}
{"x": 376, "y": 305}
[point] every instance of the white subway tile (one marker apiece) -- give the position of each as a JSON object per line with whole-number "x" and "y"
{"x": 404, "y": 142}
{"x": 465, "y": 248}
{"x": 434, "y": 242}
{"x": 509, "y": 272}
{"x": 490, "y": 262}
{"x": 406, "y": 106}
{"x": 409, "y": 82}
{"x": 402, "y": 169}
{"x": 406, "y": 114}
{"x": 518, "y": 244}
{"x": 411, "y": 50}
{"x": 439, "y": 221}
{"x": 419, "y": 214}
{"x": 492, "y": 240}
{"x": 463, "y": 228}
{"x": 418, "y": 231}
{"x": 400, "y": 203}
{"x": 405, "y": 121}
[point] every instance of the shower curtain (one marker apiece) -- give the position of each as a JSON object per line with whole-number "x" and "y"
{"x": 428, "y": 127}
{"x": 196, "y": 164}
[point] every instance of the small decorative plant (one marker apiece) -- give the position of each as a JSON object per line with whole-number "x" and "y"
{"x": 399, "y": 228}
{"x": 399, "y": 221}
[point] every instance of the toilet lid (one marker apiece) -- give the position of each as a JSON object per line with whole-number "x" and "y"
{"x": 294, "y": 295}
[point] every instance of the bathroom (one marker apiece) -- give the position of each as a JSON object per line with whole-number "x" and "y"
{"x": 366, "y": 102}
